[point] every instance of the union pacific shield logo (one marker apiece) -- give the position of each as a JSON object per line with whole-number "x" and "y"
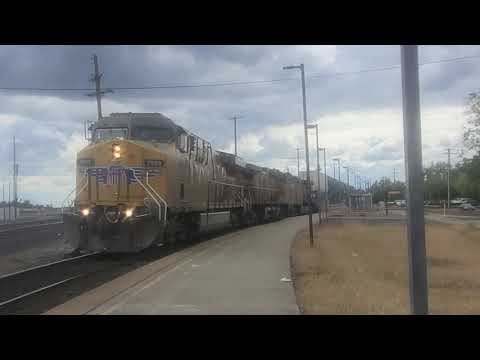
{"x": 117, "y": 174}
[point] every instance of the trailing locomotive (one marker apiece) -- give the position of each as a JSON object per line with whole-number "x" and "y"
{"x": 144, "y": 180}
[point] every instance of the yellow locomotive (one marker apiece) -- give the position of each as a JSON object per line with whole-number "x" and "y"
{"x": 144, "y": 180}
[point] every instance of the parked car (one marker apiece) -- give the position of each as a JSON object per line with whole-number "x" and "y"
{"x": 468, "y": 207}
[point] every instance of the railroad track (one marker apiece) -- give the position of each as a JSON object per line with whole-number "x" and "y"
{"x": 28, "y": 224}
{"x": 35, "y": 290}
{"x": 20, "y": 285}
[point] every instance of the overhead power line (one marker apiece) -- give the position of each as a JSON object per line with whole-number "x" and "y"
{"x": 234, "y": 83}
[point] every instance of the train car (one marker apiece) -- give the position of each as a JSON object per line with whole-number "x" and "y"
{"x": 143, "y": 180}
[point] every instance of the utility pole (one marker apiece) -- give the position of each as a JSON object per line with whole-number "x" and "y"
{"x": 96, "y": 77}
{"x": 394, "y": 176}
{"x": 235, "y": 130}
{"x": 415, "y": 180}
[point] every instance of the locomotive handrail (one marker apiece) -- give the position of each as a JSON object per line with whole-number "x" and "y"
{"x": 262, "y": 188}
{"x": 161, "y": 198}
{"x": 227, "y": 184}
{"x": 75, "y": 188}
{"x": 151, "y": 195}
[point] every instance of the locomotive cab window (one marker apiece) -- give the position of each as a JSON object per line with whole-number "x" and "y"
{"x": 153, "y": 133}
{"x": 110, "y": 133}
{"x": 201, "y": 151}
{"x": 193, "y": 147}
{"x": 182, "y": 142}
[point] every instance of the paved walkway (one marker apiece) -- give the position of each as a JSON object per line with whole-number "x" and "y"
{"x": 246, "y": 272}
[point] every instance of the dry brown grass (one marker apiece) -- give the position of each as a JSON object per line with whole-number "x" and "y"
{"x": 363, "y": 269}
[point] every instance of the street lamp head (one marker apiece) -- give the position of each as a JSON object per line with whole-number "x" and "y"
{"x": 290, "y": 67}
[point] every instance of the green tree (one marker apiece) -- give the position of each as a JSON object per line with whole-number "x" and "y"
{"x": 436, "y": 184}
{"x": 381, "y": 187}
{"x": 471, "y": 133}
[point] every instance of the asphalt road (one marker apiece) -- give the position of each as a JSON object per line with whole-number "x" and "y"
{"x": 246, "y": 272}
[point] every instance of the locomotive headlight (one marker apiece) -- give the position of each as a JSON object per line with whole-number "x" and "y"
{"x": 116, "y": 151}
{"x": 128, "y": 213}
{"x": 85, "y": 212}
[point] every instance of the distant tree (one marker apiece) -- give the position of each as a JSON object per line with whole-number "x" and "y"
{"x": 471, "y": 133}
{"x": 380, "y": 189}
{"x": 436, "y": 184}
{"x": 467, "y": 175}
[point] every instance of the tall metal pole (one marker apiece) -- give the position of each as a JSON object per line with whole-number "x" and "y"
{"x": 3, "y": 202}
{"x": 235, "y": 118}
{"x": 235, "y": 132}
{"x": 9, "y": 203}
{"x": 448, "y": 179}
{"x": 414, "y": 180}
{"x": 348, "y": 179}
{"x": 318, "y": 180}
{"x": 309, "y": 185}
{"x": 339, "y": 171}
{"x": 309, "y": 188}
{"x": 298, "y": 162}
{"x": 394, "y": 176}
{"x": 326, "y": 181}
{"x": 14, "y": 181}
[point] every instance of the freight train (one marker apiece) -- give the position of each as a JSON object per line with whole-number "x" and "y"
{"x": 144, "y": 180}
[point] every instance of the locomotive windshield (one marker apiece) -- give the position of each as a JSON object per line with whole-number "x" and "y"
{"x": 152, "y": 133}
{"x": 111, "y": 133}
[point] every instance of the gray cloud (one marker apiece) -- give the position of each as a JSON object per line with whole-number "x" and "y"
{"x": 46, "y": 121}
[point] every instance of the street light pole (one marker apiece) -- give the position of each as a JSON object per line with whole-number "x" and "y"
{"x": 415, "y": 181}
{"x": 338, "y": 163}
{"x": 309, "y": 195}
{"x": 318, "y": 174}
{"x": 326, "y": 181}
{"x": 348, "y": 179}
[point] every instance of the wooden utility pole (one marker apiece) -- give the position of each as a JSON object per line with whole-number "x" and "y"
{"x": 97, "y": 76}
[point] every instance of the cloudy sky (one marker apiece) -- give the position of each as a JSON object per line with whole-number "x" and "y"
{"x": 359, "y": 115}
